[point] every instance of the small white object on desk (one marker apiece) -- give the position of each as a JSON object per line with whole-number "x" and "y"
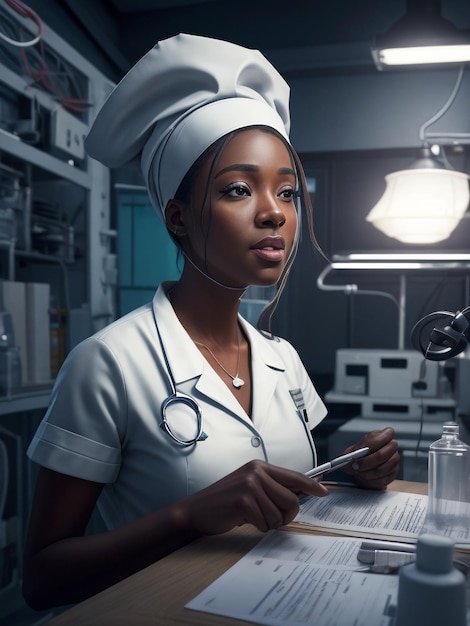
{"x": 431, "y": 590}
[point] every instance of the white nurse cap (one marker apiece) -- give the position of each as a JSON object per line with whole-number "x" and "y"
{"x": 184, "y": 94}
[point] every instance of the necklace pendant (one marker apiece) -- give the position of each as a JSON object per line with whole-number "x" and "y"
{"x": 238, "y": 382}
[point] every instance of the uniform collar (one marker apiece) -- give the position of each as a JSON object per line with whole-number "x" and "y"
{"x": 187, "y": 363}
{"x": 185, "y": 359}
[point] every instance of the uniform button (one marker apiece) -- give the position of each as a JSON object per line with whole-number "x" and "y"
{"x": 255, "y": 441}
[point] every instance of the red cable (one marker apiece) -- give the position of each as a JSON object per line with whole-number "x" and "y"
{"x": 25, "y": 11}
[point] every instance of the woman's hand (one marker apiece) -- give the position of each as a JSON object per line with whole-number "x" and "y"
{"x": 381, "y": 465}
{"x": 257, "y": 493}
{"x": 62, "y": 566}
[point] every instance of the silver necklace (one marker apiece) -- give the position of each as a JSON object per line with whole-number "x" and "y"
{"x": 237, "y": 382}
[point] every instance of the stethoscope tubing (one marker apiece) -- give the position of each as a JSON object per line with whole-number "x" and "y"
{"x": 176, "y": 397}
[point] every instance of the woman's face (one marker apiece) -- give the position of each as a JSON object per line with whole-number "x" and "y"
{"x": 246, "y": 231}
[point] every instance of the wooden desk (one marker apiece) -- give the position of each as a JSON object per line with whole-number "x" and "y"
{"x": 156, "y": 595}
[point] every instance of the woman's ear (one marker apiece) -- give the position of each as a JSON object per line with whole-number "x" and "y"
{"x": 174, "y": 218}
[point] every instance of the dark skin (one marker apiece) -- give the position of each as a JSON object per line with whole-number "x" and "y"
{"x": 248, "y": 204}
{"x": 62, "y": 566}
{"x": 381, "y": 466}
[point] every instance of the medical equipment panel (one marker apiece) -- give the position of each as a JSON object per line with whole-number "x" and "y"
{"x": 385, "y": 374}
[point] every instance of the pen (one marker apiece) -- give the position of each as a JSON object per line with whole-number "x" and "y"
{"x": 378, "y": 545}
{"x": 338, "y": 462}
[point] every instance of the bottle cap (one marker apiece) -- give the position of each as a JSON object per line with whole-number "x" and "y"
{"x": 450, "y": 428}
{"x": 434, "y": 554}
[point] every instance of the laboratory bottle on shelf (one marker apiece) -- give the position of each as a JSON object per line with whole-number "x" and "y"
{"x": 431, "y": 591}
{"x": 449, "y": 484}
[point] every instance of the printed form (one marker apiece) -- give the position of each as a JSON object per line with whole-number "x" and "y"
{"x": 379, "y": 514}
{"x": 291, "y": 578}
{"x": 298, "y": 578}
{"x": 366, "y": 513}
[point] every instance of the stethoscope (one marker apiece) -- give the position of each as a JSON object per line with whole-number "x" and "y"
{"x": 176, "y": 397}
{"x": 442, "y": 343}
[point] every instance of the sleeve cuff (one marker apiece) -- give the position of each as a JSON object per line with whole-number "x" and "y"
{"x": 74, "y": 455}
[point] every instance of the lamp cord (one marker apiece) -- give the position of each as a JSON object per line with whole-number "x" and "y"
{"x": 444, "y": 109}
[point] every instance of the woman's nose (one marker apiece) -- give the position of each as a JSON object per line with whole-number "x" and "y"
{"x": 270, "y": 213}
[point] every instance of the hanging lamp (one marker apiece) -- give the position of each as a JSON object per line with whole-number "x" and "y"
{"x": 424, "y": 203}
{"x": 421, "y": 37}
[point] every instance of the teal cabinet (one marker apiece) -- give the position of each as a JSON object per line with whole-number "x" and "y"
{"x": 146, "y": 254}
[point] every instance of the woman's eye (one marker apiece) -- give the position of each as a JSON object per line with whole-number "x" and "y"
{"x": 288, "y": 194}
{"x": 236, "y": 190}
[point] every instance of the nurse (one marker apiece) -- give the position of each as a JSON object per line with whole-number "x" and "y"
{"x": 181, "y": 419}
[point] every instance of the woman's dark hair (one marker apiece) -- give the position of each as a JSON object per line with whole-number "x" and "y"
{"x": 184, "y": 195}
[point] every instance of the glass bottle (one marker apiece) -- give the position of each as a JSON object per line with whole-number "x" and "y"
{"x": 449, "y": 484}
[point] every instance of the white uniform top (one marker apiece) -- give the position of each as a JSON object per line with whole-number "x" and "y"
{"x": 103, "y": 421}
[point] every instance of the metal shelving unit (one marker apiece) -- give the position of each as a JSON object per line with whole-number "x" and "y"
{"x": 41, "y": 147}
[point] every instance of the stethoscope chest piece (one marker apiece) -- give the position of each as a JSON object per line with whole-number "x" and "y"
{"x": 178, "y": 398}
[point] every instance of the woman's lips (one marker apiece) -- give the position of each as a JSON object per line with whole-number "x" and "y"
{"x": 270, "y": 249}
{"x": 269, "y": 254}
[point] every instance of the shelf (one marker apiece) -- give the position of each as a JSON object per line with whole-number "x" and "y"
{"x": 353, "y": 398}
{"x": 23, "y": 87}
{"x": 36, "y": 397}
{"x": 432, "y": 409}
{"x": 23, "y": 151}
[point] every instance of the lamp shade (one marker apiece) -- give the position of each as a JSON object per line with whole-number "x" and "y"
{"x": 421, "y": 205}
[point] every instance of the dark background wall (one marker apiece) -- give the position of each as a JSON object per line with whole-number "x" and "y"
{"x": 351, "y": 124}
